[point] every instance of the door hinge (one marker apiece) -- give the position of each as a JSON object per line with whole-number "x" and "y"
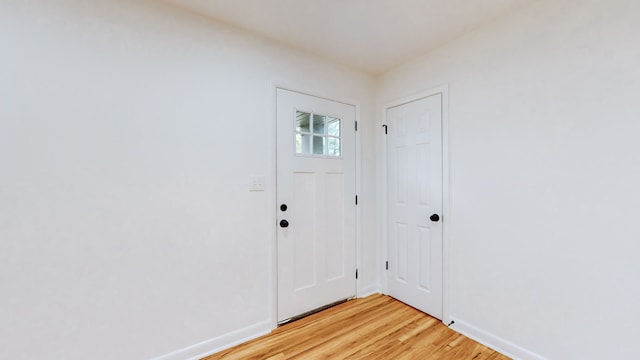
{"x": 386, "y": 265}
{"x": 385, "y": 128}
{"x": 356, "y": 126}
{"x": 356, "y": 273}
{"x": 356, "y": 199}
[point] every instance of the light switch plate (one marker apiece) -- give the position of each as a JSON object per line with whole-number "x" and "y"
{"x": 256, "y": 183}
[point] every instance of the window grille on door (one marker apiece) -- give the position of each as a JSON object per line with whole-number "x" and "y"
{"x": 317, "y": 135}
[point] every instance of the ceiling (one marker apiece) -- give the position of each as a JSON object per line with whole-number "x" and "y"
{"x": 372, "y": 35}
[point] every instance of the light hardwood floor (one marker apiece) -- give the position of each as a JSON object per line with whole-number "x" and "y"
{"x": 375, "y": 327}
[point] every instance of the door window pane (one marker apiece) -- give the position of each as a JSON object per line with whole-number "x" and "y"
{"x": 303, "y": 144}
{"x": 302, "y": 121}
{"x": 333, "y": 126}
{"x": 318, "y": 145}
{"x": 333, "y": 146}
{"x": 318, "y": 124}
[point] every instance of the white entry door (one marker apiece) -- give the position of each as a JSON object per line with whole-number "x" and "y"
{"x": 414, "y": 165}
{"x": 316, "y": 203}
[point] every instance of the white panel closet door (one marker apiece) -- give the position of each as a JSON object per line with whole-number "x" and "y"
{"x": 316, "y": 203}
{"x": 414, "y": 158}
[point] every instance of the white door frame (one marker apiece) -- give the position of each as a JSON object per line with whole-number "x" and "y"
{"x": 273, "y": 215}
{"x": 446, "y": 218}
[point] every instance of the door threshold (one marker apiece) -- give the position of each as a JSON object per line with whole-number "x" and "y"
{"x": 325, "y": 307}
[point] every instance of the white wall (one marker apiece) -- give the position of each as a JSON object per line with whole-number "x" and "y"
{"x": 128, "y": 132}
{"x": 544, "y": 176}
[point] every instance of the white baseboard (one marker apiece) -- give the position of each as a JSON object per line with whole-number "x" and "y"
{"x": 368, "y": 290}
{"x": 495, "y": 342}
{"x": 212, "y": 346}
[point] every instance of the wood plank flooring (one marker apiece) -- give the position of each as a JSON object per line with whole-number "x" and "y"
{"x": 375, "y": 327}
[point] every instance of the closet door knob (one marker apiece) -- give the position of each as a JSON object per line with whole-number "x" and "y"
{"x": 284, "y": 223}
{"x": 434, "y": 217}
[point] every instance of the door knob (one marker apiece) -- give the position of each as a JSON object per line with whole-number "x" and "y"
{"x": 284, "y": 223}
{"x": 283, "y": 207}
{"x": 434, "y": 217}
